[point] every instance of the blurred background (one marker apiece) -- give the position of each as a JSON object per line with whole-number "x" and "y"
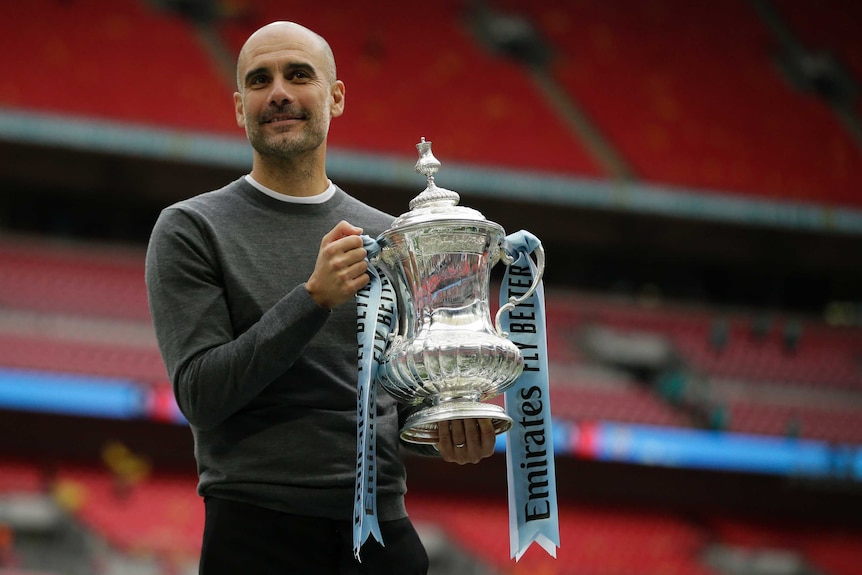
{"x": 694, "y": 170}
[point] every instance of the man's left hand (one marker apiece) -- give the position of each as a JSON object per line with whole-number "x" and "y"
{"x": 466, "y": 440}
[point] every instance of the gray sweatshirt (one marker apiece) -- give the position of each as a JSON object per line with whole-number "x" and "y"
{"x": 266, "y": 377}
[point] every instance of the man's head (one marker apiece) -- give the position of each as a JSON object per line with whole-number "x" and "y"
{"x": 275, "y": 29}
{"x": 287, "y": 90}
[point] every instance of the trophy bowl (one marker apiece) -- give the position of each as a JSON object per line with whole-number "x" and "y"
{"x": 445, "y": 356}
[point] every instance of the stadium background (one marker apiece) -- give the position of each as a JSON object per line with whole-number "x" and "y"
{"x": 694, "y": 170}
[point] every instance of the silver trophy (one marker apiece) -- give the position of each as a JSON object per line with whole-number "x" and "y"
{"x": 444, "y": 353}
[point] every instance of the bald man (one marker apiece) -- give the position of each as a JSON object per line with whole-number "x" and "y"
{"x": 251, "y": 290}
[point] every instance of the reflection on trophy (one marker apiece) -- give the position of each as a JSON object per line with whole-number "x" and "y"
{"x": 445, "y": 354}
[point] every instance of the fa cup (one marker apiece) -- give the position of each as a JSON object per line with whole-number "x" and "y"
{"x": 445, "y": 355}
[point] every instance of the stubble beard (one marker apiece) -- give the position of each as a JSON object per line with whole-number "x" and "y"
{"x": 290, "y": 143}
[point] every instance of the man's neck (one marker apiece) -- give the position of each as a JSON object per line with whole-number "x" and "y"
{"x": 294, "y": 177}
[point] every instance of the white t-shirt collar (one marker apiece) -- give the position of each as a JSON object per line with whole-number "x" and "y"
{"x": 318, "y": 199}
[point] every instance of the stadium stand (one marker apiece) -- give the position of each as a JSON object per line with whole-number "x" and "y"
{"x": 827, "y": 548}
{"x": 158, "y": 516}
{"x": 692, "y": 106}
{"x": 75, "y": 285}
{"x": 602, "y": 540}
{"x": 839, "y": 424}
{"x": 629, "y": 402}
{"x": 58, "y": 277}
{"x": 689, "y": 94}
{"x": 119, "y": 64}
{"x": 71, "y": 283}
{"x": 809, "y": 386}
{"x": 109, "y": 360}
{"x": 686, "y": 105}
{"x": 579, "y": 395}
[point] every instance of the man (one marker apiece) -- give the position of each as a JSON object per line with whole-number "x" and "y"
{"x": 256, "y": 320}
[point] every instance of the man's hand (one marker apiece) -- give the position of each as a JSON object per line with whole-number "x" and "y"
{"x": 340, "y": 269}
{"x": 466, "y": 440}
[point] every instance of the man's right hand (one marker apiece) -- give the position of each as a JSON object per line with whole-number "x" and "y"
{"x": 340, "y": 269}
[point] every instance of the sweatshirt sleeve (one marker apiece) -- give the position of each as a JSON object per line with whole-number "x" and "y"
{"x": 214, "y": 371}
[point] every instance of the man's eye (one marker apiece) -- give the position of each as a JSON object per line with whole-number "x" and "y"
{"x": 258, "y": 80}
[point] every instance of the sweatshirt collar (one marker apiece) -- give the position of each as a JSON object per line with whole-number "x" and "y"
{"x": 318, "y": 199}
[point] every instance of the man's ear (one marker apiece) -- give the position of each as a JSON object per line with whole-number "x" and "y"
{"x": 240, "y": 114}
{"x": 337, "y": 98}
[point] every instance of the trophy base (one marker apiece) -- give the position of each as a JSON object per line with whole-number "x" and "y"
{"x": 423, "y": 426}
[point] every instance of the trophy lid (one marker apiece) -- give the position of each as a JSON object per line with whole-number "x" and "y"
{"x": 434, "y": 204}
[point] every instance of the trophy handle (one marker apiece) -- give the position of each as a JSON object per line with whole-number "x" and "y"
{"x": 513, "y": 301}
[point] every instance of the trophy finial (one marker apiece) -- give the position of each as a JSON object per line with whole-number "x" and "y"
{"x": 428, "y": 165}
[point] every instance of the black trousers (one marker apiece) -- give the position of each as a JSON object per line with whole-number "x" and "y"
{"x": 242, "y": 539}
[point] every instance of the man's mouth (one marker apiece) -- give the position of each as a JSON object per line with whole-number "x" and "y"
{"x": 277, "y": 118}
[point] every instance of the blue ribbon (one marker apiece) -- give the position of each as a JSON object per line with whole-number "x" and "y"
{"x": 373, "y": 324}
{"x": 529, "y": 444}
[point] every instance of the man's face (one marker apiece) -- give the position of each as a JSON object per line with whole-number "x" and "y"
{"x": 286, "y": 94}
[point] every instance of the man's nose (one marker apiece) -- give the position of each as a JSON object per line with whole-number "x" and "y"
{"x": 281, "y": 91}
